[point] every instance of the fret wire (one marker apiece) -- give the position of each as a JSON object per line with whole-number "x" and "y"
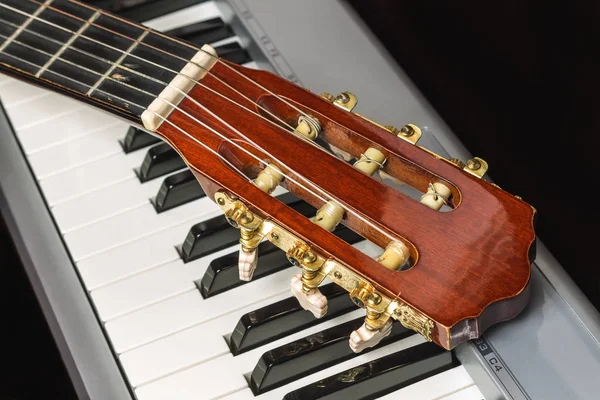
{"x": 107, "y": 45}
{"x": 150, "y": 77}
{"x": 77, "y": 66}
{"x": 24, "y": 25}
{"x": 212, "y": 113}
{"x": 68, "y": 43}
{"x": 71, "y": 79}
{"x": 118, "y": 62}
{"x": 166, "y": 52}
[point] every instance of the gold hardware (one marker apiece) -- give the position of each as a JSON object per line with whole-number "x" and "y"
{"x": 328, "y": 96}
{"x": 476, "y": 166}
{"x": 315, "y": 267}
{"x": 457, "y": 162}
{"x": 412, "y": 319}
{"x": 409, "y": 132}
{"x": 345, "y": 100}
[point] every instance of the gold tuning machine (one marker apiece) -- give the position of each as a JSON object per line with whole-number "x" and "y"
{"x": 345, "y": 100}
{"x": 380, "y": 308}
{"x": 409, "y": 132}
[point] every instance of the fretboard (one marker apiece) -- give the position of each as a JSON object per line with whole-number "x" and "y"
{"x": 90, "y": 54}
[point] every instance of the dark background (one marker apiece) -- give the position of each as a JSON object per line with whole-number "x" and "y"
{"x": 516, "y": 81}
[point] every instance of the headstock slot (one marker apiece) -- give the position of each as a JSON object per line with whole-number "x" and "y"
{"x": 354, "y": 144}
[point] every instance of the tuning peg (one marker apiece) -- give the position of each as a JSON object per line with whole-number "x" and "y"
{"x": 312, "y": 300}
{"x": 248, "y": 260}
{"x": 364, "y": 337}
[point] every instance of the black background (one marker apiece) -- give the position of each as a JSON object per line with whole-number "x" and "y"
{"x": 516, "y": 81}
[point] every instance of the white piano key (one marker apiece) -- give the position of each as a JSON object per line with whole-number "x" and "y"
{"x": 188, "y": 309}
{"x": 203, "y": 343}
{"x": 89, "y": 177}
{"x": 195, "y": 345}
{"x": 470, "y": 393}
{"x": 157, "y": 359}
{"x": 104, "y": 203}
{"x": 136, "y": 223}
{"x": 78, "y": 152}
{"x": 46, "y": 105}
{"x": 60, "y": 128}
{"x": 132, "y": 258}
{"x": 435, "y": 387}
{"x": 186, "y": 16}
{"x": 15, "y": 92}
{"x": 151, "y": 286}
{"x": 219, "y": 377}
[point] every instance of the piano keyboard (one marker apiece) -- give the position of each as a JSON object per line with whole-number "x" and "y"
{"x": 136, "y": 270}
{"x": 159, "y": 264}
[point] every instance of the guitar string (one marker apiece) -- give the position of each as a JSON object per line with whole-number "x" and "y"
{"x": 124, "y": 67}
{"x": 292, "y": 129}
{"x": 166, "y": 101}
{"x": 160, "y": 50}
{"x": 286, "y": 176}
{"x": 324, "y": 193}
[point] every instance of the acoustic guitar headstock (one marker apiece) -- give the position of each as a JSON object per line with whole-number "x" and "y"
{"x": 453, "y": 262}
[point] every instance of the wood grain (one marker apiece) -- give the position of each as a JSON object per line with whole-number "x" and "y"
{"x": 465, "y": 260}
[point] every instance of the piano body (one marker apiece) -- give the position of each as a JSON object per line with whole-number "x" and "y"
{"x": 132, "y": 266}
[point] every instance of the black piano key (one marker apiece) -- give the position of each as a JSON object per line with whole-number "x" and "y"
{"x": 137, "y": 139}
{"x": 143, "y": 10}
{"x": 233, "y": 52}
{"x": 311, "y": 354}
{"x": 203, "y": 32}
{"x": 283, "y": 318}
{"x": 176, "y": 190}
{"x": 382, "y": 376}
{"x": 160, "y": 160}
{"x": 216, "y": 234}
{"x": 222, "y": 273}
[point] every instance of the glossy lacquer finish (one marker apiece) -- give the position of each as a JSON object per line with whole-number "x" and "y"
{"x": 465, "y": 260}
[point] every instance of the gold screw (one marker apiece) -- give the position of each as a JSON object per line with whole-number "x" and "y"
{"x": 518, "y": 197}
{"x": 473, "y": 164}
{"x": 309, "y": 257}
{"x": 374, "y": 299}
{"x": 337, "y": 275}
{"x": 274, "y": 236}
{"x": 247, "y": 219}
{"x": 221, "y": 201}
{"x": 407, "y": 131}
{"x": 342, "y": 98}
{"x": 329, "y": 97}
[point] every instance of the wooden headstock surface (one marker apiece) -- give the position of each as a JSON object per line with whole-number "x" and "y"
{"x": 471, "y": 264}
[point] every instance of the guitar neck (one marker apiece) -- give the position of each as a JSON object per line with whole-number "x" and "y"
{"x": 88, "y": 54}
